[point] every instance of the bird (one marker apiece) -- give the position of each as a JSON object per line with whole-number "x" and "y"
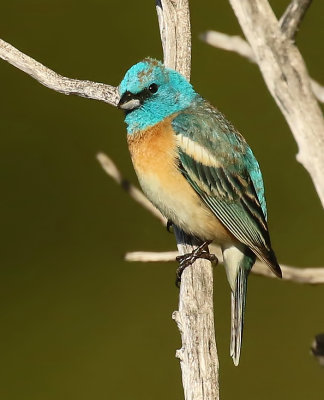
{"x": 199, "y": 171}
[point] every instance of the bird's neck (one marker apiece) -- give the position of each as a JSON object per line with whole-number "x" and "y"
{"x": 153, "y": 113}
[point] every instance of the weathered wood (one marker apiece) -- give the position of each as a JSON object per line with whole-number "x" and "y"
{"x": 47, "y": 77}
{"x": 287, "y": 79}
{"x": 195, "y": 317}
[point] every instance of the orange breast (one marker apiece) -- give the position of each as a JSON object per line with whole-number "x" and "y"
{"x": 153, "y": 150}
{"x": 154, "y": 155}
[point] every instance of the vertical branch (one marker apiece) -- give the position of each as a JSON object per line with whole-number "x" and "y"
{"x": 195, "y": 317}
{"x": 174, "y": 23}
{"x": 167, "y": 22}
{"x": 183, "y": 36}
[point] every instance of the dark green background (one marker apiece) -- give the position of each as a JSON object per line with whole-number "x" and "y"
{"x": 76, "y": 321}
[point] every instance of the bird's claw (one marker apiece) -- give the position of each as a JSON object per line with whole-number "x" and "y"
{"x": 188, "y": 259}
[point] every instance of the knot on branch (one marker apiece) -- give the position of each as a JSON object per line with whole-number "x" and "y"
{"x": 177, "y": 318}
{"x": 180, "y": 354}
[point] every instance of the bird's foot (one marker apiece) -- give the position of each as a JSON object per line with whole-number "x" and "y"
{"x": 169, "y": 225}
{"x": 187, "y": 259}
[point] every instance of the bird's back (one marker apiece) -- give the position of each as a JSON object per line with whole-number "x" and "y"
{"x": 222, "y": 169}
{"x": 208, "y": 127}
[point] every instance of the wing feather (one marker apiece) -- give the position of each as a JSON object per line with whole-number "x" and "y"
{"x": 225, "y": 185}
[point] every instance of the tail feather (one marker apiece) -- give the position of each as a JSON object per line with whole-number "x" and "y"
{"x": 238, "y": 299}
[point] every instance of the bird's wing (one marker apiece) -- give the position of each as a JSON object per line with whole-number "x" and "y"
{"x": 219, "y": 165}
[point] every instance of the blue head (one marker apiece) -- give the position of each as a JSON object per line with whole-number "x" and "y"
{"x": 151, "y": 92}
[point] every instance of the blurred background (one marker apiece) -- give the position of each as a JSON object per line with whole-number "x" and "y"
{"x": 78, "y": 322}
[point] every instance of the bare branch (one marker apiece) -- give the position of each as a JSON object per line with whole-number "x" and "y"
{"x": 240, "y": 46}
{"x": 183, "y": 38}
{"x": 174, "y": 22}
{"x": 310, "y": 276}
{"x": 318, "y": 90}
{"x": 151, "y": 256}
{"x": 167, "y": 23}
{"x": 228, "y": 42}
{"x": 285, "y": 74}
{"x": 293, "y": 16}
{"x": 47, "y": 77}
{"x": 195, "y": 318}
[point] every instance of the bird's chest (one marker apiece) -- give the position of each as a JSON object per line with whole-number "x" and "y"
{"x": 154, "y": 156}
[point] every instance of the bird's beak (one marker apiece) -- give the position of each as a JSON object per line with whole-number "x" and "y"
{"x": 129, "y": 101}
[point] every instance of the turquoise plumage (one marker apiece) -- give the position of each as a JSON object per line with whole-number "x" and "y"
{"x": 198, "y": 170}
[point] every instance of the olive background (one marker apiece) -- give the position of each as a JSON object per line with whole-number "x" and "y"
{"x": 78, "y": 322}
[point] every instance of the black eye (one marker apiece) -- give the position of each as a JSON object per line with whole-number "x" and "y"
{"x": 153, "y": 88}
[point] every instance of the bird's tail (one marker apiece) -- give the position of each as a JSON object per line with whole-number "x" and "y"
{"x": 238, "y": 263}
{"x": 238, "y": 299}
